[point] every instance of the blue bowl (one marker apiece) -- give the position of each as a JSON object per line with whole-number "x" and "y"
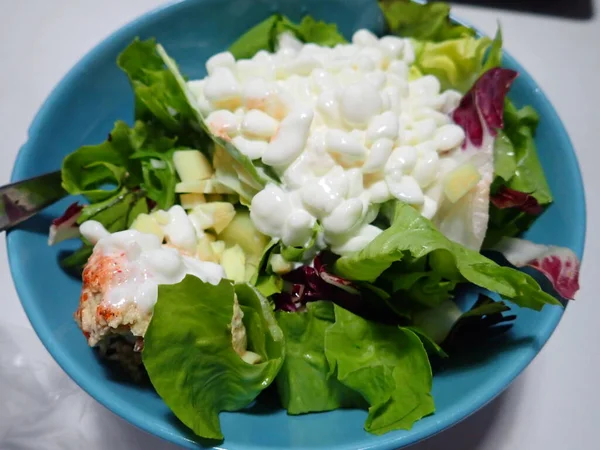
{"x": 82, "y": 109}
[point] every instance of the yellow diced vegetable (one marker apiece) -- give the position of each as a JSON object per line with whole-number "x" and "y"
{"x": 204, "y": 250}
{"x": 210, "y": 186}
{"x": 460, "y": 181}
{"x": 189, "y": 201}
{"x": 221, "y": 214}
{"x": 191, "y": 165}
{"x": 233, "y": 261}
{"x": 148, "y": 224}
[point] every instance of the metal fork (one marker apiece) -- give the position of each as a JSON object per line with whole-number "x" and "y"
{"x": 24, "y": 199}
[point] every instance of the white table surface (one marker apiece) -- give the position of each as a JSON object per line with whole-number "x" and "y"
{"x": 552, "y": 405}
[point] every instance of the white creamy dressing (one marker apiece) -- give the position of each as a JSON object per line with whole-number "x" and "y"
{"x": 145, "y": 263}
{"x": 344, "y": 128}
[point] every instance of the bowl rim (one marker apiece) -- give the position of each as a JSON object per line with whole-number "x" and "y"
{"x": 120, "y": 407}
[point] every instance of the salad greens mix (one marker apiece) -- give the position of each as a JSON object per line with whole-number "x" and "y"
{"x": 356, "y": 331}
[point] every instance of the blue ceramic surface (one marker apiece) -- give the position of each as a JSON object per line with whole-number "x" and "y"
{"x": 82, "y": 109}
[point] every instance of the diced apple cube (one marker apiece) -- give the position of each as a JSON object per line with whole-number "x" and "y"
{"x": 251, "y": 357}
{"x": 210, "y": 186}
{"x": 190, "y": 201}
{"x": 204, "y": 250}
{"x": 221, "y": 214}
{"x": 233, "y": 261}
{"x": 218, "y": 247}
{"x": 460, "y": 181}
{"x": 161, "y": 217}
{"x": 280, "y": 265}
{"x": 191, "y": 165}
{"x": 145, "y": 223}
{"x": 200, "y": 220}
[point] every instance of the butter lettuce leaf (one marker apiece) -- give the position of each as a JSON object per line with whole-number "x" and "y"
{"x": 263, "y": 36}
{"x": 189, "y": 356}
{"x": 450, "y": 51}
{"x": 387, "y": 365}
{"x": 457, "y": 63}
{"x": 304, "y": 382}
{"x": 426, "y": 22}
{"x": 411, "y": 236}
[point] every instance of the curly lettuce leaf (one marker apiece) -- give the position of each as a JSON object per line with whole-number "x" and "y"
{"x": 264, "y": 35}
{"x": 411, "y": 236}
{"x": 304, "y": 382}
{"x": 89, "y": 169}
{"x": 189, "y": 356}
{"x": 422, "y": 21}
{"x": 387, "y": 365}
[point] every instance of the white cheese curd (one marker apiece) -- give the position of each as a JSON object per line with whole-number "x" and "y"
{"x": 345, "y": 129}
{"x": 145, "y": 263}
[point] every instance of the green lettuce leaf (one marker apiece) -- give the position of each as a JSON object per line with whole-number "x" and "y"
{"x": 451, "y": 52}
{"x": 411, "y": 236}
{"x": 494, "y": 56}
{"x": 269, "y": 285}
{"x": 505, "y": 161}
{"x": 118, "y": 212}
{"x": 387, "y": 365}
{"x": 517, "y": 167}
{"x": 426, "y": 22}
{"x": 158, "y": 94}
{"x": 426, "y": 288}
{"x": 90, "y": 169}
{"x": 255, "y": 174}
{"x": 519, "y": 126}
{"x": 76, "y": 260}
{"x": 304, "y": 382}
{"x": 311, "y": 30}
{"x": 264, "y": 35}
{"x": 189, "y": 355}
{"x": 457, "y": 63}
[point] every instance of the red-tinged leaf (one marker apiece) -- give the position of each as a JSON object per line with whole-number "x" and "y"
{"x": 560, "y": 265}
{"x": 307, "y": 284}
{"x": 65, "y": 227}
{"x": 509, "y": 198}
{"x": 482, "y": 108}
{"x": 73, "y": 211}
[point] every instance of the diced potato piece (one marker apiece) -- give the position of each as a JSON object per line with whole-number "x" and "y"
{"x": 251, "y": 357}
{"x": 191, "y": 165}
{"x": 233, "y": 261}
{"x": 211, "y": 237}
{"x": 210, "y": 186}
{"x": 204, "y": 250}
{"x": 280, "y": 265}
{"x": 190, "y": 201}
{"x": 221, "y": 213}
{"x": 460, "y": 181}
{"x": 148, "y": 224}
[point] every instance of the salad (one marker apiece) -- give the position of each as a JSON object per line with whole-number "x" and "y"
{"x": 309, "y": 216}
